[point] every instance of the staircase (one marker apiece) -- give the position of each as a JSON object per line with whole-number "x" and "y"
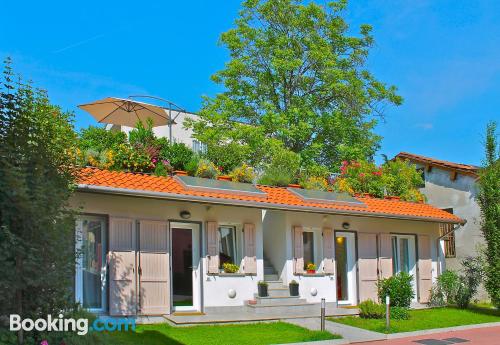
{"x": 279, "y": 299}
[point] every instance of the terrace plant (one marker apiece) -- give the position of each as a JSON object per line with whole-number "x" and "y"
{"x": 243, "y": 173}
{"x": 178, "y": 155}
{"x": 230, "y": 268}
{"x": 206, "y": 169}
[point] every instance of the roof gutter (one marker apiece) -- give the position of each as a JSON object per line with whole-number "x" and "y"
{"x": 234, "y": 202}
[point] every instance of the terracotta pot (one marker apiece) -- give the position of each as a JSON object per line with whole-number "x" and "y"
{"x": 311, "y": 271}
{"x": 292, "y": 185}
{"x": 180, "y": 172}
{"x": 224, "y": 178}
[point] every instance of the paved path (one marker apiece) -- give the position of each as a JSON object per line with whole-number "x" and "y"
{"x": 476, "y": 336}
{"x": 351, "y": 334}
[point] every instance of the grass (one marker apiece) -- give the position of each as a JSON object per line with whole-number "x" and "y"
{"x": 426, "y": 319}
{"x": 241, "y": 334}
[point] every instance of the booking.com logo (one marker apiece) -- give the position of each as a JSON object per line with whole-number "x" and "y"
{"x": 61, "y": 324}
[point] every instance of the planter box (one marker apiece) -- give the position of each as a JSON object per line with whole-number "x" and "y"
{"x": 294, "y": 185}
{"x": 311, "y": 271}
{"x": 180, "y": 172}
{"x": 224, "y": 178}
{"x": 294, "y": 289}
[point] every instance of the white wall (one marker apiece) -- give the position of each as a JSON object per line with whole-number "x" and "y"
{"x": 215, "y": 288}
{"x": 326, "y": 285}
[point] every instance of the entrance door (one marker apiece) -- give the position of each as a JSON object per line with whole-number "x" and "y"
{"x": 403, "y": 257}
{"x": 185, "y": 266}
{"x": 346, "y": 267}
{"x": 91, "y": 285}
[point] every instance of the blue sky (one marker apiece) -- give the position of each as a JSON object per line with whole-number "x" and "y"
{"x": 443, "y": 55}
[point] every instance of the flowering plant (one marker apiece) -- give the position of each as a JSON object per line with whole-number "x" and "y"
{"x": 243, "y": 173}
{"x": 207, "y": 169}
{"x": 311, "y": 267}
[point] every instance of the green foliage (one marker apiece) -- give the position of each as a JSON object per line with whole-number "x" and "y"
{"x": 370, "y": 309}
{"x": 135, "y": 159}
{"x": 163, "y": 168}
{"x": 282, "y": 169}
{"x": 227, "y": 156}
{"x": 230, "y": 268}
{"x": 298, "y": 76}
{"x": 243, "y": 173}
{"x": 315, "y": 183}
{"x": 142, "y": 136}
{"x": 469, "y": 280}
{"x": 37, "y": 145}
{"x": 448, "y": 283}
{"x": 489, "y": 202}
{"x": 401, "y": 178}
{"x": 206, "y": 169}
{"x": 395, "y": 178}
{"x": 100, "y": 139}
{"x": 399, "y": 313}
{"x": 399, "y": 288}
{"x": 192, "y": 165}
{"x": 178, "y": 154}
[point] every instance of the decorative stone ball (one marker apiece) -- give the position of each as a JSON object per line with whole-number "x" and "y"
{"x": 314, "y": 292}
{"x": 231, "y": 293}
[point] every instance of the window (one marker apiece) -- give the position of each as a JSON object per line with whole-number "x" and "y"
{"x": 448, "y": 240}
{"x": 421, "y": 171}
{"x": 199, "y": 147}
{"x": 400, "y": 254}
{"x": 308, "y": 241}
{"x": 227, "y": 245}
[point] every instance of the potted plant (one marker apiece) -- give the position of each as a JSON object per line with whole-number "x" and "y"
{"x": 230, "y": 268}
{"x": 294, "y": 288}
{"x": 311, "y": 268}
{"x": 262, "y": 286}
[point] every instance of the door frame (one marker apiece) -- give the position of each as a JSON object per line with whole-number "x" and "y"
{"x": 177, "y": 223}
{"x": 78, "y": 279}
{"x": 353, "y": 300}
{"x": 415, "y": 259}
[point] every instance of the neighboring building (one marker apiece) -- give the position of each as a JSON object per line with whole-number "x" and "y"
{"x": 180, "y": 134}
{"x": 453, "y": 188}
{"x": 155, "y": 245}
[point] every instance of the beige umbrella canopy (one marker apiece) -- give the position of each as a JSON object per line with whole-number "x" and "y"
{"x": 126, "y": 112}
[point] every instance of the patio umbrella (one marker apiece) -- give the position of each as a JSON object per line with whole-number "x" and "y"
{"x": 126, "y": 112}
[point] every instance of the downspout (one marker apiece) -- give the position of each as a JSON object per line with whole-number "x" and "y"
{"x": 438, "y": 241}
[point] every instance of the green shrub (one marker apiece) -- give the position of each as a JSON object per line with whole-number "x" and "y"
{"x": 399, "y": 288}
{"x": 192, "y": 165}
{"x": 206, "y": 169}
{"x": 227, "y": 156}
{"x": 469, "y": 280}
{"x": 163, "y": 168}
{"x": 436, "y": 298}
{"x": 283, "y": 168}
{"x": 178, "y": 154}
{"x": 99, "y": 139}
{"x": 243, "y": 173}
{"x": 448, "y": 283}
{"x": 398, "y": 313}
{"x": 371, "y": 310}
{"x": 142, "y": 135}
{"x": 314, "y": 183}
{"x": 230, "y": 268}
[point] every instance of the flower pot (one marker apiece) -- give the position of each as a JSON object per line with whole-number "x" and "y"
{"x": 294, "y": 289}
{"x": 180, "y": 172}
{"x": 224, "y": 178}
{"x": 311, "y": 271}
{"x": 292, "y": 185}
{"x": 262, "y": 290}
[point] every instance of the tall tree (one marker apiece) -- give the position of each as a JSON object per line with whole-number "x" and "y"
{"x": 37, "y": 257}
{"x": 489, "y": 202}
{"x": 298, "y": 76}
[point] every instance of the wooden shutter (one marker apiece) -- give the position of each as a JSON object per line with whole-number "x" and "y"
{"x": 424, "y": 268}
{"x": 212, "y": 248}
{"x": 122, "y": 267}
{"x": 385, "y": 256}
{"x": 154, "y": 271}
{"x": 328, "y": 251}
{"x": 250, "y": 260}
{"x": 367, "y": 266}
{"x": 298, "y": 249}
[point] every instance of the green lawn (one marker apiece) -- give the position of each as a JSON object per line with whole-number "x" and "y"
{"x": 426, "y": 319}
{"x": 251, "y": 334}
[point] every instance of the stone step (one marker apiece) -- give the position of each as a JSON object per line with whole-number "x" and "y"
{"x": 283, "y": 300}
{"x": 280, "y": 309}
{"x": 278, "y": 291}
{"x": 269, "y": 270}
{"x": 268, "y": 277}
{"x": 275, "y": 284}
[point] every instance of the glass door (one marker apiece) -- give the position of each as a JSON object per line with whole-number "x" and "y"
{"x": 185, "y": 251}
{"x": 345, "y": 267}
{"x": 404, "y": 256}
{"x": 90, "y": 282}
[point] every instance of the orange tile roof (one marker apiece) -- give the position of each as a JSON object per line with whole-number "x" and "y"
{"x": 97, "y": 180}
{"x": 463, "y": 168}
